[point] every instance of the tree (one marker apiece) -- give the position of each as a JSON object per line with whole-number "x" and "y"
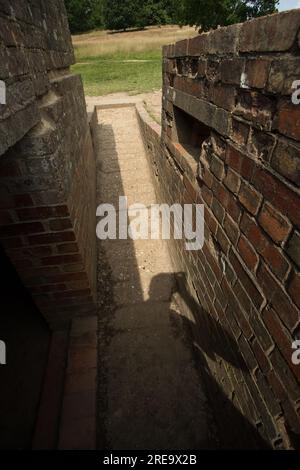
{"x": 84, "y": 15}
{"x": 155, "y": 12}
{"x": 213, "y": 13}
{"x": 121, "y": 14}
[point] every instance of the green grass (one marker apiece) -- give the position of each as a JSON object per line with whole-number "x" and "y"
{"x": 111, "y": 74}
{"x": 103, "y": 59}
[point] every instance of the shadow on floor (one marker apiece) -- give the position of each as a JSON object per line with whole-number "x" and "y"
{"x": 156, "y": 390}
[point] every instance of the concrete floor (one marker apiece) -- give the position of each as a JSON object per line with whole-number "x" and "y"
{"x": 150, "y": 392}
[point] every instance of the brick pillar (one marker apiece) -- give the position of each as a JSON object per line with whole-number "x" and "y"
{"x": 47, "y": 167}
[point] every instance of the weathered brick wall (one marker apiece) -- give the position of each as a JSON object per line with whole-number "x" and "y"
{"x": 243, "y": 163}
{"x": 47, "y": 170}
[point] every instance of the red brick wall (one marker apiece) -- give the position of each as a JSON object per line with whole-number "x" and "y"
{"x": 238, "y": 82}
{"x": 47, "y": 168}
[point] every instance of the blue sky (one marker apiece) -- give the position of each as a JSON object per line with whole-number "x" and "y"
{"x": 288, "y": 4}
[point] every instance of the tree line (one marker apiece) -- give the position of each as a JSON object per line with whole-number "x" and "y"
{"x": 85, "y": 15}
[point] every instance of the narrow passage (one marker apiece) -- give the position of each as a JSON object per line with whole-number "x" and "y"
{"x": 150, "y": 392}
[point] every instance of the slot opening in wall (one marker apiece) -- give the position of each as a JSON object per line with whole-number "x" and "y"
{"x": 189, "y": 133}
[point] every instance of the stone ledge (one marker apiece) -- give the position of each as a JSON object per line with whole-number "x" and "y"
{"x": 209, "y": 114}
{"x": 271, "y": 33}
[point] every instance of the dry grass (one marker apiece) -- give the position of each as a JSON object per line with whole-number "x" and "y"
{"x": 105, "y": 44}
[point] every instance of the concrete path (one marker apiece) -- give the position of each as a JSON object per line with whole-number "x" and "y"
{"x": 150, "y": 393}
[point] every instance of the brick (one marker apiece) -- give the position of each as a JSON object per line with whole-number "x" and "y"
{"x": 257, "y": 72}
{"x": 223, "y": 240}
{"x": 60, "y": 224}
{"x": 15, "y": 242}
{"x": 51, "y": 238}
{"x": 245, "y": 280}
{"x": 198, "y": 45}
{"x": 77, "y": 285}
{"x": 217, "y": 167}
{"x": 181, "y": 48}
{"x": 23, "y": 200}
{"x": 250, "y": 198}
{"x": 63, "y": 259}
{"x": 51, "y": 288}
{"x": 38, "y": 251}
{"x": 234, "y": 209}
{"x": 223, "y": 96}
{"x": 244, "y": 301}
{"x": 294, "y": 288}
{"x": 252, "y": 231}
{"x": 240, "y": 162}
{"x": 286, "y": 161}
{"x": 171, "y": 66}
{"x": 231, "y": 71}
{"x": 240, "y": 132}
{"x": 283, "y": 339}
{"x": 266, "y": 391}
{"x": 268, "y": 251}
{"x": 270, "y": 33}
{"x": 36, "y": 213}
{"x": 278, "y": 298}
{"x": 285, "y": 375}
{"x": 218, "y": 210}
{"x": 73, "y": 293}
{"x": 206, "y": 176}
{"x": 260, "y": 331}
{"x": 206, "y": 195}
{"x": 189, "y": 86}
{"x": 202, "y": 63}
{"x": 71, "y": 268}
{"x": 261, "y": 357}
{"x": 21, "y": 229}
{"x": 278, "y": 194}
{"x": 255, "y": 107}
{"x": 221, "y": 193}
{"x": 210, "y": 221}
{"x": 231, "y": 229}
{"x": 284, "y": 71}
{"x": 247, "y": 253}
{"x": 292, "y": 421}
{"x": 65, "y": 277}
{"x": 261, "y": 145}
{"x": 288, "y": 120}
{"x": 293, "y": 248}
{"x": 277, "y": 262}
{"x": 218, "y": 146}
{"x": 247, "y": 353}
{"x": 67, "y": 248}
{"x": 276, "y": 226}
{"x": 232, "y": 181}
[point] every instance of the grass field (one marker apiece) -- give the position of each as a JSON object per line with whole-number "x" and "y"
{"x": 124, "y": 62}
